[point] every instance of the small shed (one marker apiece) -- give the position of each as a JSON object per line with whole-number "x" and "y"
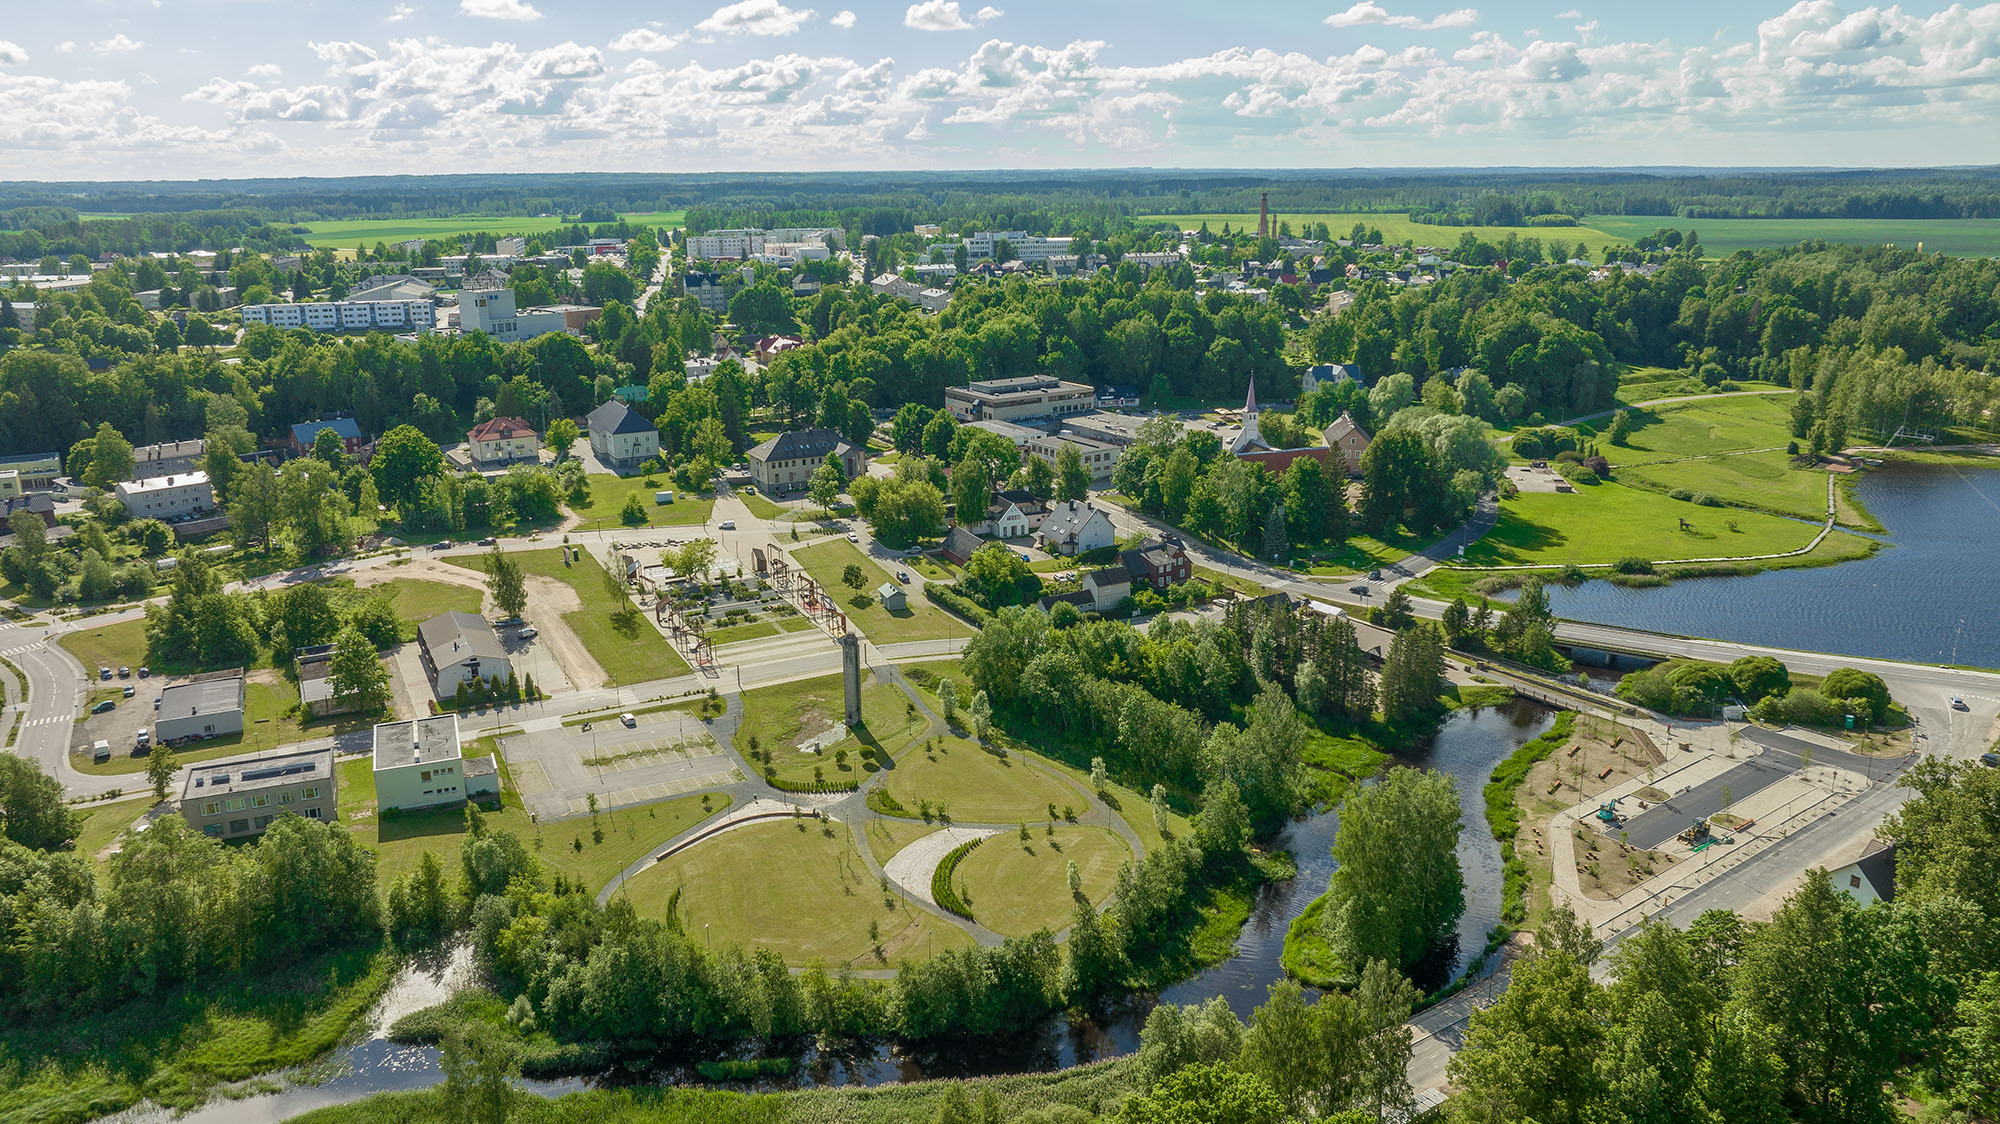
{"x": 892, "y": 597}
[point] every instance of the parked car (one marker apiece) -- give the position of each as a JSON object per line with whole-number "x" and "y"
{"x": 1024, "y": 556}
{"x": 630, "y": 719}
{"x": 144, "y": 738}
{"x": 441, "y": 544}
{"x": 144, "y": 672}
{"x": 529, "y": 633}
{"x": 1359, "y": 590}
{"x": 1959, "y": 704}
{"x": 852, "y": 537}
{"x": 727, "y": 524}
{"x": 104, "y": 673}
{"x": 100, "y": 751}
{"x": 124, "y": 673}
{"x": 1990, "y": 760}
{"x": 902, "y": 575}
{"x": 130, "y": 690}
{"x": 107, "y": 704}
{"x": 488, "y": 542}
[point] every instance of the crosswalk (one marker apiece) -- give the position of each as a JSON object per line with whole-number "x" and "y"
{"x": 17, "y": 650}
{"x": 52, "y": 720}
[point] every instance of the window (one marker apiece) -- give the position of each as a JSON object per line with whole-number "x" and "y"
{"x": 211, "y": 808}
{"x": 312, "y": 813}
{"x": 263, "y": 822}
{"x": 1854, "y": 880}
{"x": 261, "y": 800}
{"x": 285, "y": 798}
{"x": 238, "y": 826}
{"x": 237, "y": 803}
{"x": 212, "y": 829}
{"x": 426, "y": 776}
{"x": 309, "y": 793}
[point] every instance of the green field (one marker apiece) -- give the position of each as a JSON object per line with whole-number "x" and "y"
{"x": 1732, "y": 449}
{"x": 975, "y": 785}
{"x": 607, "y": 503}
{"x": 346, "y": 234}
{"x": 113, "y": 646}
{"x": 920, "y": 620}
{"x": 416, "y": 600}
{"x": 103, "y": 823}
{"x": 1016, "y": 887}
{"x": 811, "y": 901}
{"x": 781, "y": 716}
{"x": 1610, "y": 522}
{"x": 618, "y": 635}
{"x": 1719, "y": 237}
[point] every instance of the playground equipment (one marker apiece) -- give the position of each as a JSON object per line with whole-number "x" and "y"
{"x": 1697, "y": 835}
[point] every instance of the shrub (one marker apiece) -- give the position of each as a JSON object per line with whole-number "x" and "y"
{"x": 1705, "y": 500}
{"x": 1849, "y": 683}
{"x": 1802, "y": 706}
{"x": 1598, "y": 465}
{"x": 1681, "y": 494}
{"x": 943, "y": 890}
{"x": 1633, "y": 566}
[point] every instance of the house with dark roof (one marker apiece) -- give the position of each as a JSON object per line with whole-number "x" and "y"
{"x": 305, "y": 433}
{"x": 172, "y": 458}
{"x": 1158, "y": 564}
{"x": 1868, "y": 874}
{"x": 621, "y": 438}
{"x": 1012, "y": 513}
{"x": 1107, "y": 587}
{"x": 959, "y": 544}
{"x": 786, "y": 462}
{"x": 1075, "y": 527}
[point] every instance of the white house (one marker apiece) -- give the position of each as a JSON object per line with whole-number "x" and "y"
{"x": 1075, "y": 527}
{"x": 1867, "y": 872}
{"x": 621, "y": 438}
{"x": 418, "y": 764}
{"x": 460, "y": 647}
{"x": 1011, "y": 514}
{"x": 167, "y": 497}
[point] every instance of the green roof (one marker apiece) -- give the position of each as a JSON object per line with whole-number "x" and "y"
{"x": 631, "y": 393}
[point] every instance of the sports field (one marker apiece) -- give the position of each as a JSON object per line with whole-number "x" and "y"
{"x": 349, "y": 233}
{"x": 1719, "y": 237}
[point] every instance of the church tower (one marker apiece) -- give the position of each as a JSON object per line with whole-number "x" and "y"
{"x": 1249, "y": 440}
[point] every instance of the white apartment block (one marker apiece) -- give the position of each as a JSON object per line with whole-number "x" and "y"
{"x": 492, "y": 311}
{"x": 725, "y": 245}
{"x": 1027, "y": 247}
{"x": 345, "y": 316}
{"x": 167, "y": 497}
{"x": 799, "y": 243}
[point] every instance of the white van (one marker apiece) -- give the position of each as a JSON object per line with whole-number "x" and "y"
{"x": 100, "y": 751}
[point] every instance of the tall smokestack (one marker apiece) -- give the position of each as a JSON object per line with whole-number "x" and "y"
{"x": 1264, "y": 215}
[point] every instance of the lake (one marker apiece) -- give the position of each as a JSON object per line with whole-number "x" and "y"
{"x": 1923, "y": 599}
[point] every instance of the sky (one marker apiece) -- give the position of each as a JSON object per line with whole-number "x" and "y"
{"x": 172, "y": 89}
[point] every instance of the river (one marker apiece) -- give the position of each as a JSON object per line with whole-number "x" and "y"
{"x": 1467, "y": 746}
{"x": 1920, "y": 599}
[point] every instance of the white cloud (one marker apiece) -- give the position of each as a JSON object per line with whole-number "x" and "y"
{"x": 874, "y": 77}
{"x": 117, "y": 44}
{"x": 66, "y": 46}
{"x": 756, "y": 17}
{"x": 12, "y": 54}
{"x": 265, "y": 70}
{"x": 519, "y": 11}
{"x": 647, "y": 41}
{"x": 936, "y": 15}
{"x": 1368, "y": 12}
{"x": 1572, "y": 14}
{"x": 844, "y": 20}
{"x": 399, "y": 13}
{"x": 988, "y": 14}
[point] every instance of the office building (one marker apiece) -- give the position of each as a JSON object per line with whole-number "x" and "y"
{"x": 1015, "y": 399}
{"x": 240, "y": 799}
{"x": 208, "y": 706}
{"x": 492, "y": 311}
{"x": 1099, "y": 457}
{"x": 419, "y": 764}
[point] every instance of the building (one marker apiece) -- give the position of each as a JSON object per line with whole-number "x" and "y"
{"x": 1346, "y": 437}
{"x": 928, "y": 298}
{"x": 38, "y": 471}
{"x": 1075, "y": 527}
{"x": 40, "y": 504}
{"x": 1025, "y": 396}
{"x": 314, "y": 665}
{"x": 959, "y": 543}
{"x": 1020, "y": 435}
{"x": 24, "y": 314}
{"x": 1011, "y": 514}
{"x": 458, "y": 648}
{"x": 1158, "y": 564}
{"x": 767, "y": 348}
{"x": 1867, "y": 872}
{"x": 725, "y": 245}
{"x": 1107, "y": 588}
{"x": 707, "y": 290}
{"x": 394, "y": 287}
{"x": 786, "y": 462}
{"x": 1328, "y": 374}
{"x": 347, "y": 429}
{"x": 167, "y": 497}
{"x": 621, "y": 439}
{"x": 502, "y": 441}
{"x": 892, "y": 597}
{"x": 419, "y": 764}
{"x": 238, "y": 800}
{"x": 492, "y": 311}
{"x": 346, "y": 315}
{"x": 204, "y": 707}
{"x": 1099, "y": 457}
{"x": 1150, "y": 261}
{"x": 1113, "y": 429}
{"x": 1250, "y": 445}
{"x": 169, "y": 459}
{"x": 1027, "y": 247}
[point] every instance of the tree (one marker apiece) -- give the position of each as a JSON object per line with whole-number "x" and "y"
{"x": 823, "y": 488}
{"x": 1413, "y": 674}
{"x": 938, "y": 433}
{"x": 1383, "y": 1003}
{"x": 1533, "y": 1054}
{"x": 1849, "y": 683}
{"x": 33, "y": 812}
{"x": 329, "y": 448}
{"x": 359, "y": 681}
{"x": 1620, "y": 429}
{"x": 160, "y": 768}
{"x": 1397, "y": 612}
{"x": 505, "y": 583}
{"x": 1398, "y": 892}
{"x": 1215, "y": 1093}
{"x": 633, "y": 513}
{"x": 1072, "y": 478}
{"x": 255, "y": 506}
{"x": 1277, "y": 546}
{"x": 1758, "y": 678}
{"x": 970, "y": 488}
{"x": 561, "y": 435}
{"x": 982, "y": 715}
{"x": 906, "y": 429}
{"x": 479, "y": 1066}
{"x": 404, "y": 459}
{"x": 111, "y": 459}
{"x": 852, "y": 577}
{"x": 947, "y": 693}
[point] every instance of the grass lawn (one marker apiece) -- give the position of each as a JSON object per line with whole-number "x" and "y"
{"x": 1741, "y": 445}
{"x": 113, "y": 646}
{"x": 1361, "y": 553}
{"x": 607, "y": 502}
{"x": 346, "y": 234}
{"x": 1397, "y": 228}
{"x": 886, "y": 837}
{"x": 1016, "y": 887}
{"x": 811, "y": 901}
{"x": 975, "y": 785}
{"x": 919, "y": 621}
{"x": 781, "y": 716}
{"x": 764, "y": 508}
{"x": 103, "y": 823}
{"x": 1610, "y": 521}
{"x": 1722, "y": 237}
{"x": 752, "y": 630}
{"x": 400, "y": 840}
{"x": 617, "y": 634}
{"x": 416, "y": 600}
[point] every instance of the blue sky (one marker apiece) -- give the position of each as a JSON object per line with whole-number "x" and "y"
{"x": 138, "y": 89}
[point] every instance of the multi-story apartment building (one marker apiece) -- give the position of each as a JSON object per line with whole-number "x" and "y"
{"x": 170, "y": 458}
{"x": 979, "y": 246}
{"x": 492, "y": 311}
{"x": 345, "y": 316}
{"x": 240, "y": 799}
{"x": 167, "y": 497}
{"x": 1099, "y": 457}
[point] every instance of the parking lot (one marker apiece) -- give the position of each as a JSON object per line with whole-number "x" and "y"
{"x": 666, "y": 754}
{"x": 119, "y": 725}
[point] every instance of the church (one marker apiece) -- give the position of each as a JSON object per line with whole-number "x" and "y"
{"x": 1345, "y": 442}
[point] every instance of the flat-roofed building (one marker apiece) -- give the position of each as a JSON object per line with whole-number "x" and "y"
{"x": 38, "y": 470}
{"x": 419, "y": 764}
{"x": 167, "y": 497}
{"x": 1013, "y": 399}
{"x": 1099, "y": 457}
{"x": 207, "y": 707}
{"x": 1020, "y": 435}
{"x": 240, "y": 799}
{"x": 1112, "y": 428}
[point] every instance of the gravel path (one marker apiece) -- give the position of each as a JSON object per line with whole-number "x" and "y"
{"x": 912, "y": 867}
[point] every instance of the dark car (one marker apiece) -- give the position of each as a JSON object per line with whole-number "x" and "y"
{"x": 1990, "y": 760}
{"x": 107, "y": 704}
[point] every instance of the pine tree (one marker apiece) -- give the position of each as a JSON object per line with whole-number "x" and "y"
{"x": 528, "y": 689}
{"x": 1277, "y": 547}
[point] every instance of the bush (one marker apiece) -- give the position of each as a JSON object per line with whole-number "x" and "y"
{"x": 1703, "y": 499}
{"x": 1633, "y": 566}
{"x": 1599, "y": 466}
{"x": 1802, "y": 706}
{"x": 953, "y": 601}
{"x": 1849, "y": 683}
{"x": 942, "y": 888}
{"x": 1681, "y": 494}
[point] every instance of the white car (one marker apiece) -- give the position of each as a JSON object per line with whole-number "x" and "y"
{"x": 630, "y": 719}
{"x": 1959, "y": 704}
{"x": 528, "y": 633}
{"x": 852, "y": 537}
{"x": 727, "y": 524}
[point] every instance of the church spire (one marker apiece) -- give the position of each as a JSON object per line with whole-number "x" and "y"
{"x": 1249, "y": 438}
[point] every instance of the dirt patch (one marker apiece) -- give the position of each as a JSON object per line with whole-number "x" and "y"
{"x": 1600, "y": 754}
{"x": 424, "y": 569}
{"x": 548, "y": 600}
{"x": 1607, "y": 866}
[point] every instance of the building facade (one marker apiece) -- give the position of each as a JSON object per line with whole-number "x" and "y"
{"x": 167, "y": 497}
{"x": 419, "y": 764}
{"x": 239, "y": 800}
{"x": 621, "y": 438}
{"x": 346, "y": 316}
{"x": 1075, "y": 527}
{"x": 503, "y": 441}
{"x": 169, "y": 459}
{"x": 786, "y": 462}
{"x": 210, "y": 707}
{"x": 459, "y": 648}
{"x": 1099, "y": 457}
{"x": 492, "y": 311}
{"x": 1013, "y": 399}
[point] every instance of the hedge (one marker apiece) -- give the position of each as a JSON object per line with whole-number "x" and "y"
{"x": 942, "y": 889}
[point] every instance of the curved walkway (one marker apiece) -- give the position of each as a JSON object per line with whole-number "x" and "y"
{"x": 913, "y": 867}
